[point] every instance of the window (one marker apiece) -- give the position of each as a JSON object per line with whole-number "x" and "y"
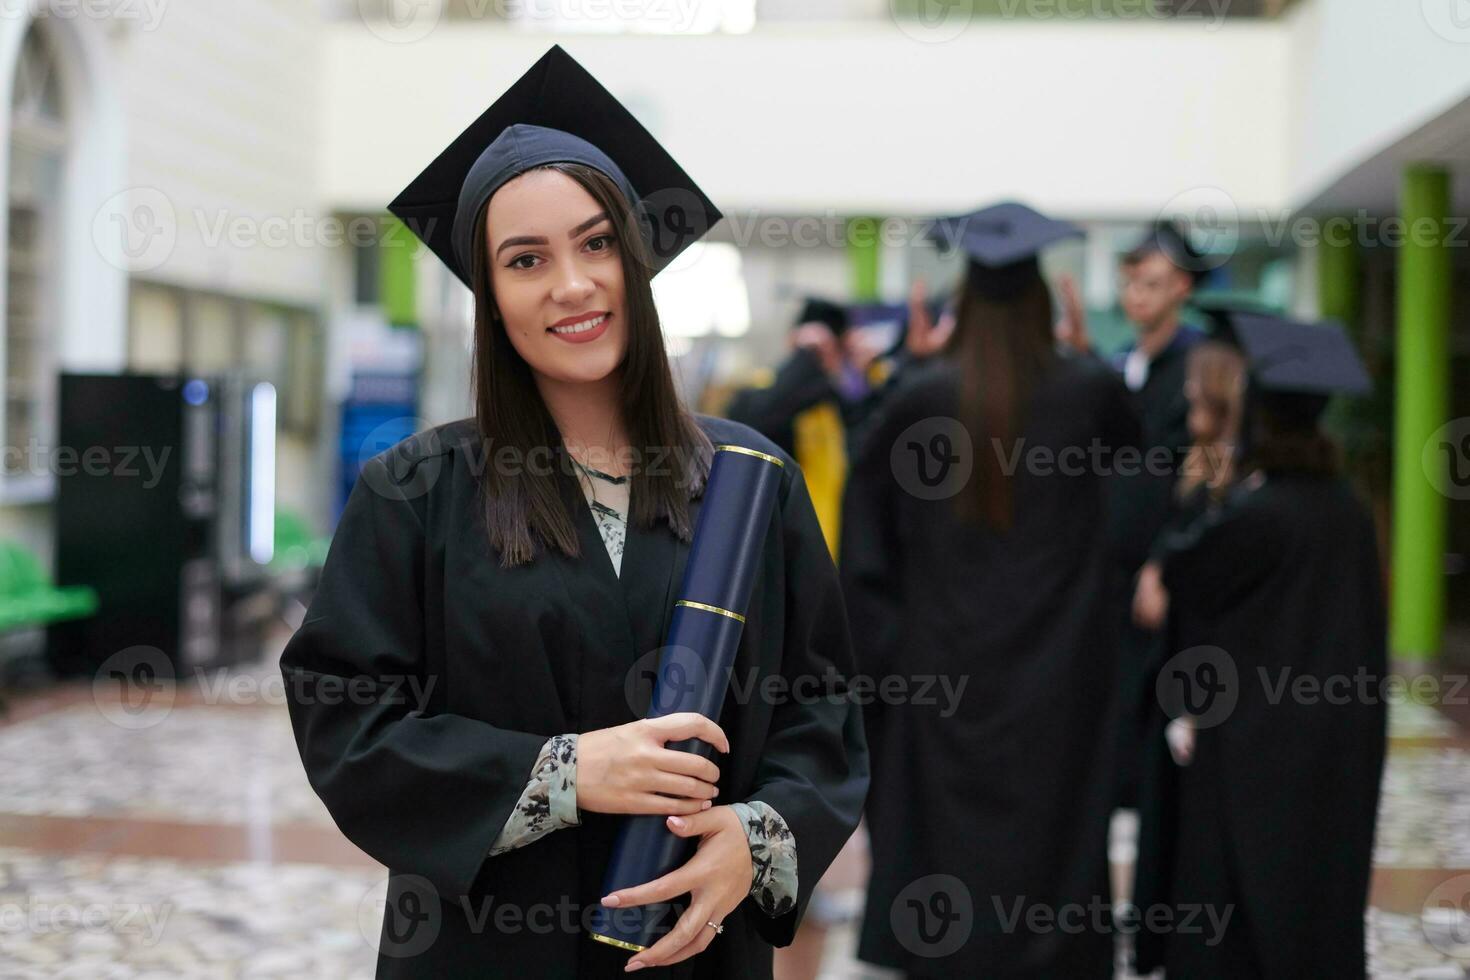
{"x": 38, "y": 149}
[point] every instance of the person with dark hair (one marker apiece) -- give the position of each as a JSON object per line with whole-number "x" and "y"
{"x": 973, "y": 561}
{"x": 498, "y": 588}
{"x": 1274, "y": 601}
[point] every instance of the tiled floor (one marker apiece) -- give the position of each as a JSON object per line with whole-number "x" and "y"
{"x": 182, "y": 840}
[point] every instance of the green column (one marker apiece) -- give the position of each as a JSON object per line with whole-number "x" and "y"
{"x": 863, "y": 254}
{"x": 1422, "y": 406}
{"x": 1338, "y": 262}
{"x": 396, "y": 282}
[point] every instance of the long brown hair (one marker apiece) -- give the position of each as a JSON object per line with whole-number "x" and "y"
{"x": 1002, "y": 347}
{"x": 525, "y": 506}
{"x": 1215, "y": 372}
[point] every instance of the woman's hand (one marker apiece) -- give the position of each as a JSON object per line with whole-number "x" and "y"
{"x": 717, "y": 879}
{"x": 626, "y": 769}
{"x": 1071, "y": 328}
{"x": 1150, "y": 598}
{"x": 1179, "y": 733}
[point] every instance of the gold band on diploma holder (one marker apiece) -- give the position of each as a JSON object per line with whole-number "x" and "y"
{"x": 617, "y": 942}
{"x": 726, "y": 447}
{"x": 714, "y": 609}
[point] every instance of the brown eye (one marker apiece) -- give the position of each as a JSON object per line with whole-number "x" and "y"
{"x": 602, "y": 243}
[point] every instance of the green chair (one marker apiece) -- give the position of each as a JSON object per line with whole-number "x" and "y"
{"x": 27, "y": 597}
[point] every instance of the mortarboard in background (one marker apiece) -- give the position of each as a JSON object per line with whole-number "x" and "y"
{"x": 1002, "y": 242}
{"x": 819, "y": 310}
{"x": 556, "y": 112}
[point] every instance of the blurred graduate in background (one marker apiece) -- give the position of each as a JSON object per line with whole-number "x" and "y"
{"x": 814, "y": 400}
{"x": 1272, "y": 816}
{"x": 972, "y": 559}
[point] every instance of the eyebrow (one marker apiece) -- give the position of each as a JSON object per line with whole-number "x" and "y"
{"x": 591, "y": 222}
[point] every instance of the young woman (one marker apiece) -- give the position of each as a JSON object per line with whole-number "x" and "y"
{"x": 466, "y": 689}
{"x": 1278, "y": 592}
{"x": 973, "y": 564}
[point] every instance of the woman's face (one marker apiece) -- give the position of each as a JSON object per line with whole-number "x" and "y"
{"x": 557, "y": 275}
{"x": 1204, "y": 420}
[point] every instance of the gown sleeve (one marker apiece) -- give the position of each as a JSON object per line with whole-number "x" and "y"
{"x": 813, "y": 769}
{"x": 422, "y": 792}
{"x": 549, "y": 800}
{"x": 799, "y": 384}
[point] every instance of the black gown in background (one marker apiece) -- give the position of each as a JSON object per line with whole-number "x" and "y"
{"x": 1011, "y": 793}
{"x": 1140, "y": 504}
{"x": 1276, "y": 814}
{"x": 411, "y": 593}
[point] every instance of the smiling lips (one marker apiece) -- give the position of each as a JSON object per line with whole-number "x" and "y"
{"x": 582, "y": 329}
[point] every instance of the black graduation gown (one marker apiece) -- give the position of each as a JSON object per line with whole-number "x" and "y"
{"x": 1276, "y": 814}
{"x": 1140, "y": 503}
{"x": 799, "y": 384}
{"x": 1011, "y": 793}
{"x": 411, "y": 590}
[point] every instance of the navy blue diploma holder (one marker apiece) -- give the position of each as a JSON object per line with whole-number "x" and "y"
{"x": 694, "y": 670}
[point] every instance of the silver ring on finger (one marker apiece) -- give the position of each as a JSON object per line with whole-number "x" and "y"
{"x": 719, "y": 929}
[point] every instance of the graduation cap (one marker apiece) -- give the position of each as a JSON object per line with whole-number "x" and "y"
{"x": 816, "y": 309}
{"x": 1290, "y": 357}
{"x": 1294, "y": 367}
{"x": 1169, "y": 239}
{"x": 555, "y": 113}
{"x": 1002, "y": 242}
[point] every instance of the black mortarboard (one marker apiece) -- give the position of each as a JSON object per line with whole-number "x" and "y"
{"x": 1168, "y": 238}
{"x": 1003, "y": 242}
{"x": 555, "y": 113}
{"x": 1290, "y": 357}
{"x": 818, "y": 310}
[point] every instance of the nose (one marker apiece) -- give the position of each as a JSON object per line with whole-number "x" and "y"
{"x": 573, "y": 285}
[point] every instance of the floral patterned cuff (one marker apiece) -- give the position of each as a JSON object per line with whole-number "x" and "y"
{"x": 772, "y": 857}
{"x": 549, "y": 801}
